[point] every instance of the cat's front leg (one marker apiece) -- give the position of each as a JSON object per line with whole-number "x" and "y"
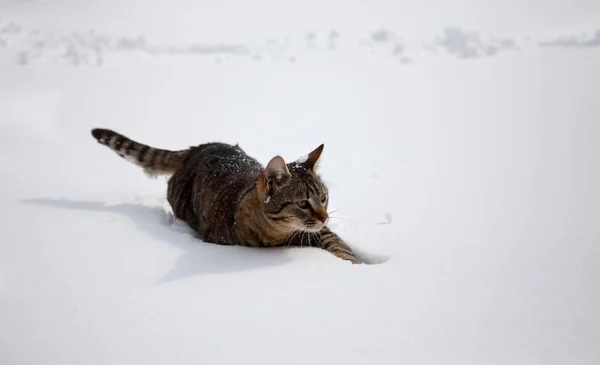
{"x": 333, "y": 243}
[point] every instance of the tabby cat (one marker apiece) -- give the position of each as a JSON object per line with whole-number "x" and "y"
{"x": 229, "y": 198}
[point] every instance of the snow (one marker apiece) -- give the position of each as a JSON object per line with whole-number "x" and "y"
{"x": 131, "y": 159}
{"x": 476, "y": 128}
{"x": 302, "y": 159}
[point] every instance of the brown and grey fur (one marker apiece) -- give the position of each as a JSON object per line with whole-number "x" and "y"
{"x": 229, "y": 198}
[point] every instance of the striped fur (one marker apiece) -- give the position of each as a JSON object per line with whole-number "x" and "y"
{"x": 229, "y": 198}
{"x": 326, "y": 240}
{"x": 331, "y": 242}
{"x": 154, "y": 161}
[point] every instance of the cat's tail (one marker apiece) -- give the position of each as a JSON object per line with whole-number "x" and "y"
{"x": 154, "y": 161}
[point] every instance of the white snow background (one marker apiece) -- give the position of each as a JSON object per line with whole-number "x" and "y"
{"x": 461, "y": 151}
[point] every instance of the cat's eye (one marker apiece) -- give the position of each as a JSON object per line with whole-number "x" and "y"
{"x": 303, "y": 204}
{"x": 323, "y": 198}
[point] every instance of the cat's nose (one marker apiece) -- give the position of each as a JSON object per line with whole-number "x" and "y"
{"x": 322, "y": 215}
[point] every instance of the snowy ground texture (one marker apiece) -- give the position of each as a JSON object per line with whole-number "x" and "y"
{"x": 461, "y": 150}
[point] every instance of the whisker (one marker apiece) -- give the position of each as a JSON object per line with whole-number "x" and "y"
{"x": 298, "y": 234}
{"x": 291, "y": 237}
{"x": 339, "y": 209}
{"x": 318, "y": 237}
{"x": 288, "y": 238}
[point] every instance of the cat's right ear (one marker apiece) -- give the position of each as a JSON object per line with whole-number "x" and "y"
{"x": 275, "y": 173}
{"x": 277, "y": 169}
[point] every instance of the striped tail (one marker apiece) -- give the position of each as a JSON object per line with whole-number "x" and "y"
{"x": 154, "y": 161}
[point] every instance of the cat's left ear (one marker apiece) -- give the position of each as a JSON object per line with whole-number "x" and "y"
{"x": 311, "y": 160}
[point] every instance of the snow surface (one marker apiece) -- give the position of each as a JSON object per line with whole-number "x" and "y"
{"x": 474, "y": 125}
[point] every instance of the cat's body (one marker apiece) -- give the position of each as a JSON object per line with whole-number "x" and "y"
{"x": 207, "y": 188}
{"x": 229, "y": 198}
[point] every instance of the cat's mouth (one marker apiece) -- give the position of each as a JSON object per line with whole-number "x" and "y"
{"x": 315, "y": 227}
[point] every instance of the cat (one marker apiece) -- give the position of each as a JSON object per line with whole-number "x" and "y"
{"x": 229, "y": 198}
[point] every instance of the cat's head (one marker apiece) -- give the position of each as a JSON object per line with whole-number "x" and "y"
{"x": 292, "y": 195}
